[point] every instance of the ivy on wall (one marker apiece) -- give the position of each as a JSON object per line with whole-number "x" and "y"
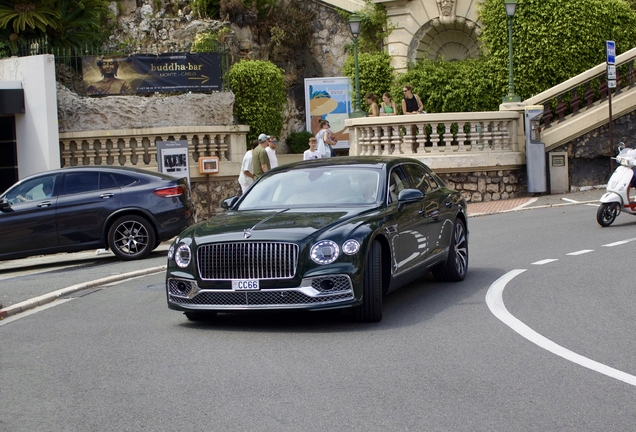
{"x": 259, "y": 91}
{"x": 553, "y": 40}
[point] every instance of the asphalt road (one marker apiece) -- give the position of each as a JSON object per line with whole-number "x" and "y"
{"x": 115, "y": 358}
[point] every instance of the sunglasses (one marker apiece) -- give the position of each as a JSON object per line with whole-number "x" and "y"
{"x": 404, "y": 91}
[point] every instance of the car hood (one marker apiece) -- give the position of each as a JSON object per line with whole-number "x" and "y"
{"x": 279, "y": 225}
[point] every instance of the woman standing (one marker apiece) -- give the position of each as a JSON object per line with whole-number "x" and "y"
{"x": 388, "y": 106}
{"x": 325, "y": 141}
{"x": 411, "y": 104}
{"x": 372, "y": 101}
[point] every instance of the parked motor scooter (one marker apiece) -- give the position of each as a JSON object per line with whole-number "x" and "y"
{"x": 617, "y": 199}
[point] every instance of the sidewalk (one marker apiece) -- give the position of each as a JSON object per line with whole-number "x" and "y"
{"x": 586, "y": 196}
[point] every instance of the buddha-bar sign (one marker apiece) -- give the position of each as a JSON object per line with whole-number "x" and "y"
{"x": 148, "y": 73}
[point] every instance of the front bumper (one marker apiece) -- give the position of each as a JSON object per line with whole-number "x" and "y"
{"x": 321, "y": 292}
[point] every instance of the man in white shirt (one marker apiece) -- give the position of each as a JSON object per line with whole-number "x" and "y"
{"x": 271, "y": 151}
{"x": 246, "y": 177}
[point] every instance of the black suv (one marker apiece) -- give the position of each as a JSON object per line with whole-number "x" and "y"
{"x": 129, "y": 210}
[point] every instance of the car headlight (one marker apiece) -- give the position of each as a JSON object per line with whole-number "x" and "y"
{"x": 182, "y": 255}
{"x": 171, "y": 252}
{"x": 325, "y": 252}
{"x": 351, "y": 247}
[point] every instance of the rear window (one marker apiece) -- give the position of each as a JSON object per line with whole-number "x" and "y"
{"x": 124, "y": 180}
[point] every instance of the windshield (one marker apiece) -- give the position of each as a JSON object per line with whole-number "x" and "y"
{"x": 315, "y": 187}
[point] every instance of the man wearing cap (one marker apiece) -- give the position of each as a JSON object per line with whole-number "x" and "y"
{"x": 260, "y": 159}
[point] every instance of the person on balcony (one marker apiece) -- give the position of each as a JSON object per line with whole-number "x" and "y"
{"x": 388, "y": 106}
{"x": 372, "y": 101}
{"x": 411, "y": 104}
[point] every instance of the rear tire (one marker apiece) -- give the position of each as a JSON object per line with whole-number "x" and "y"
{"x": 131, "y": 237}
{"x": 371, "y": 308}
{"x": 606, "y": 214}
{"x": 456, "y": 266}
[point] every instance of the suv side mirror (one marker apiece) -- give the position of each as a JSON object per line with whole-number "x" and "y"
{"x": 4, "y": 205}
{"x": 228, "y": 203}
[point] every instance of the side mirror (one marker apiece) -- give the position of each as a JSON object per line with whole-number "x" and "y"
{"x": 228, "y": 203}
{"x": 407, "y": 196}
{"x": 4, "y": 205}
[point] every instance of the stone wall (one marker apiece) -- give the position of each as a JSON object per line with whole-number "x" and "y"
{"x": 481, "y": 186}
{"x": 76, "y": 113}
{"x": 208, "y": 194}
{"x": 589, "y": 155}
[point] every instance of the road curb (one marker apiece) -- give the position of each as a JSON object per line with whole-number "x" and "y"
{"x": 52, "y": 296}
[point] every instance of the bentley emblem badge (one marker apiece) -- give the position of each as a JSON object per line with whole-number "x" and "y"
{"x": 247, "y": 233}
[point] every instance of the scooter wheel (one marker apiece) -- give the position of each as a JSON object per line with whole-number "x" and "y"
{"x": 606, "y": 214}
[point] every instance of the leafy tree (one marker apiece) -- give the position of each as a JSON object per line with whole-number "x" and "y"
{"x": 22, "y": 14}
{"x": 259, "y": 89}
{"x": 554, "y": 40}
{"x": 66, "y": 23}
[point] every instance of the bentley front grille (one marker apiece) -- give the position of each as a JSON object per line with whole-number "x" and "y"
{"x": 247, "y": 260}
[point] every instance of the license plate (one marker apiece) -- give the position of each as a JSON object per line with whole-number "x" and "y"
{"x": 245, "y": 285}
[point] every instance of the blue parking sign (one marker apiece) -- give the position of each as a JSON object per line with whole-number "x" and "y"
{"x": 610, "y": 49}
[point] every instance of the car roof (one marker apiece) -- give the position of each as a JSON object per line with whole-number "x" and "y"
{"x": 102, "y": 168}
{"x": 376, "y": 162}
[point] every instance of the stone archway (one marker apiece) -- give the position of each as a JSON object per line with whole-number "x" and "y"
{"x": 433, "y": 29}
{"x": 450, "y": 40}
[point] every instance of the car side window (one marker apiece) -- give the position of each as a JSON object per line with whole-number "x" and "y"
{"x": 36, "y": 189}
{"x": 398, "y": 181}
{"x": 124, "y": 180}
{"x": 106, "y": 181}
{"x": 421, "y": 179}
{"x": 80, "y": 182}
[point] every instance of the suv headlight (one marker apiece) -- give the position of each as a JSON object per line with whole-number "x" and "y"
{"x": 325, "y": 252}
{"x": 182, "y": 255}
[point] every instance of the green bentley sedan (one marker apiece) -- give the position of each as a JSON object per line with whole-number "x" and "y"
{"x": 321, "y": 234}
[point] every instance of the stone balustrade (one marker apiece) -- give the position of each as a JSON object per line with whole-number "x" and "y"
{"x": 445, "y": 142}
{"x": 137, "y": 147}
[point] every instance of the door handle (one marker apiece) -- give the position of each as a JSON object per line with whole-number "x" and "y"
{"x": 107, "y": 195}
{"x": 448, "y": 204}
{"x": 45, "y": 204}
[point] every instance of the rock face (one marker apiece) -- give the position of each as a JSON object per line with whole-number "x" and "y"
{"x": 589, "y": 155}
{"x": 77, "y": 113}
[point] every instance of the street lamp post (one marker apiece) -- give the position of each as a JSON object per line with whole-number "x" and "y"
{"x": 354, "y": 26}
{"x": 511, "y": 6}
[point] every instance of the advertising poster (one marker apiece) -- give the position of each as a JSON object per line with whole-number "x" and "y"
{"x": 172, "y": 158}
{"x": 330, "y": 99}
{"x": 145, "y": 73}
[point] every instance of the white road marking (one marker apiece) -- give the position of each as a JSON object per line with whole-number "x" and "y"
{"x": 545, "y": 261}
{"x": 581, "y": 252}
{"x": 618, "y": 243}
{"x": 570, "y": 200}
{"x": 494, "y": 300}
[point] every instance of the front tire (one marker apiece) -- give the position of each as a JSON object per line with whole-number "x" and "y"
{"x": 606, "y": 214}
{"x": 456, "y": 266}
{"x": 131, "y": 237}
{"x": 371, "y": 308}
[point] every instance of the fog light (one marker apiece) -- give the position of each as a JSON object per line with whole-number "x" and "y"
{"x": 327, "y": 285}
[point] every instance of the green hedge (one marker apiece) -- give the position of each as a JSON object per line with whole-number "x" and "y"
{"x": 259, "y": 91}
